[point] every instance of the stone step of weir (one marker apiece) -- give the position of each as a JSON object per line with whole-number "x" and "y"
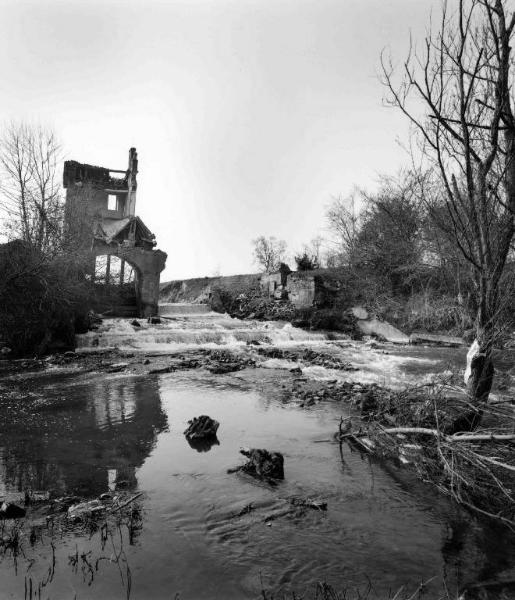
{"x": 172, "y": 309}
{"x": 436, "y": 340}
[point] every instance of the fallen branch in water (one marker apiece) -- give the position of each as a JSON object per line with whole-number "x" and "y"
{"x": 473, "y": 437}
{"x": 496, "y": 462}
{"x": 124, "y": 504}
{"x": 435, "y": 435}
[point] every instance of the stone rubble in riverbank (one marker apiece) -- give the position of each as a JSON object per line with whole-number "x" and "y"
{"x": 308, "y": 356}
{"x": 217, "y": 361}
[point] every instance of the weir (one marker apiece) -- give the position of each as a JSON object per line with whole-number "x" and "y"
{"x": 183, "y": 308}
{"x": 184, "y": 325}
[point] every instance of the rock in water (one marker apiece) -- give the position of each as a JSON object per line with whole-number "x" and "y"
{"x": 11, "y": 511}
{"x": 221, "y": 368}
{"x": 268, "y": 465}
{"x": 201, "y": 428}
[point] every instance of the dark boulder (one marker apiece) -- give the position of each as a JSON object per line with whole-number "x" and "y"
{"x": 201, "y": 428}
{"x": 11, "y": 511}
{"x": 263, "y": 464}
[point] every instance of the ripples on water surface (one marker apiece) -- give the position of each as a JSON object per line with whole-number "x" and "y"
{"x": 126, "y": 433}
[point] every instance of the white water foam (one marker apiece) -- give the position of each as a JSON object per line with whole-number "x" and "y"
{"x": 188, "y": 331}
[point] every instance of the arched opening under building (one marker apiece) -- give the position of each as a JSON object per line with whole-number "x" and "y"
{"x": 116, "y": 286}
{"x": 125, "y": 267}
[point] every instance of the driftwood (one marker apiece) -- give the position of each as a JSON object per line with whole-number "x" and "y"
{"x": 465, "y": 437}
{"x": 124, "y": 504}
{"x": 309, "y": 503}
{"x": 481, "y": 480}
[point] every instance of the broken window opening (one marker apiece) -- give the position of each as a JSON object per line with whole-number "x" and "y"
{"x": 112, "y": 202}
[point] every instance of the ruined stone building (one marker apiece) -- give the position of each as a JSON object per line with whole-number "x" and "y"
{"x": 100, "y": 211}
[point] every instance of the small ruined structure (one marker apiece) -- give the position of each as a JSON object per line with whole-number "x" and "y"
{"x": 100, "y": 217}
{"x": 300, "y": 287}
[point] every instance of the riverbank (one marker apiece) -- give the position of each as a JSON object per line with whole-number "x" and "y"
{"x": 415, "y": 417}
{"x": 323, "y": 299}
{"x": 110, "y": 419}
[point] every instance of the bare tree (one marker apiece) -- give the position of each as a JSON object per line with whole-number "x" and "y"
{"x": 30, "y": 188}
{"x": 269, "y": 252}
{"x": 462, "y": 80}
{"x": 310, "y": 256}
{"x": 344, "y": 218}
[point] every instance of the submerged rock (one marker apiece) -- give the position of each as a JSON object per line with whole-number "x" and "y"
{"x": 117, "y": 367}
{"x": 309, "y": 503}
{"x": 221, "y": 368}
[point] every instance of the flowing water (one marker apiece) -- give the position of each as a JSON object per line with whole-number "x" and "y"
{"x": 85, "y": 433}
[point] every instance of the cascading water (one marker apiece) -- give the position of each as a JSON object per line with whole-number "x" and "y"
{"x": 186, "y": 325}
{"x": 181, "y": 308}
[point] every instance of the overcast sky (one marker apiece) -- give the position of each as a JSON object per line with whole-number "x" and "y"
{"x": 248, "y": 115}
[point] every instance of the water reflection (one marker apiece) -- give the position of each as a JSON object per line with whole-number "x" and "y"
{"x": 472, "y": 553}
{"x": 381, "y": 521}
{"x": 91, "y": 441}
{"x": 203, "y": 445}
{"x": 470, "y": 548}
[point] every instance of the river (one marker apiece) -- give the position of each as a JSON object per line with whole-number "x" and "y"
{"x": 89, "y": 432}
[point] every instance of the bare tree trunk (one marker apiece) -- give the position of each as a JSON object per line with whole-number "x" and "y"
{"x": 464, "y": 78}
{"x": 479, "y": 372}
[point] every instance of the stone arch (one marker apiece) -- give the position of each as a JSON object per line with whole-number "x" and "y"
{"x": 147, "y": 265}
